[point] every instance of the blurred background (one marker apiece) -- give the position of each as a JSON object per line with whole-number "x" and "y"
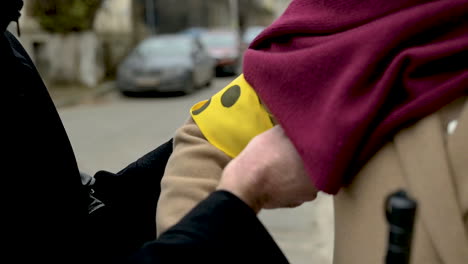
{"x": 124, "y": 74}
{"x": 85, "y": 41}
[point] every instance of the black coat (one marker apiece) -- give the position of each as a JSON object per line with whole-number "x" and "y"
{"x": 46, "y": 200}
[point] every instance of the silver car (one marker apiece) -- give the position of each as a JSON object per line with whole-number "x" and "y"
{"x": 166, "y": 63}
{"x": 223, "y": 46}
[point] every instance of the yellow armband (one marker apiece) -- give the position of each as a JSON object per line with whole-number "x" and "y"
{"x": 232, "y": 117}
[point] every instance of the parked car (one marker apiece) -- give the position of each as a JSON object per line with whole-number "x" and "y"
{"x": 166, "y": 63}
{"x": 223, "y": 45}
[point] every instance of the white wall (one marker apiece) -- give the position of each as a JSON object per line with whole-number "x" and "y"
{"x": 115, "y": 16}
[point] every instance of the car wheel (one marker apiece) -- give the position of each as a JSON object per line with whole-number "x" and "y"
{"x": 209, "y": 82}
{"x": 127, "y": 93}
{"x": 191, "y": 86}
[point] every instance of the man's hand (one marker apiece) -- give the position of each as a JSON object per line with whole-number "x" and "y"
{"x": 269, "y": 173}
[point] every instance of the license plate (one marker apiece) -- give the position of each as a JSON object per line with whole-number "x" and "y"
{"x": 149, "y": 81}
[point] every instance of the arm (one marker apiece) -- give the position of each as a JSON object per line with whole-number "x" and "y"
{"x": 224, "y": 228}
{"x": 219, "y": 129}
{"x": 220, "y": 229}
{"x": 192, "y": 173}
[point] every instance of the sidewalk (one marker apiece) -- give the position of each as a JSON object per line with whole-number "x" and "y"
{"x": 70, "y": 95}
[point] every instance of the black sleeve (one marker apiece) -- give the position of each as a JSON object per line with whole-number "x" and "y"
{"x": 127, "y": 220}
{"x": 221, "y": 229}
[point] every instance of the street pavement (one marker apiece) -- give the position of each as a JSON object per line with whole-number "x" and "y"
{"x": 108, "y": 131}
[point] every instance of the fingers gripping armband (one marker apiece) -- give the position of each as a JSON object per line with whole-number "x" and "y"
{"x": 232, "y": 117}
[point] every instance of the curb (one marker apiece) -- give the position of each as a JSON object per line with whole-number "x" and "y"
{"x": 101, "y": 90}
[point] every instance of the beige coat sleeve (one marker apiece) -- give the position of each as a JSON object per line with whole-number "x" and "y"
{"x": 192, "y": 173}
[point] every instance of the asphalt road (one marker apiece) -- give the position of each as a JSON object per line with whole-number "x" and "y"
{"x": 109, "y": 133}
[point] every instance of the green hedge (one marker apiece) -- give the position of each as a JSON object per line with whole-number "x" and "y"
{"x": 64, "y": 16}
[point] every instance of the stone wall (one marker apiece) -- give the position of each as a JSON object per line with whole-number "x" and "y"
{"x": 71, "y": 58}
{"x": 84, "y": 58}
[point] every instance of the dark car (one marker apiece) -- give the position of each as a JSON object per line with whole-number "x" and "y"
{"x": 166, "y": 63}
{"x": 223, "y": 46}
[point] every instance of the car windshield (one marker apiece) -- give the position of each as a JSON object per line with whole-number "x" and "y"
{"x": 218, "y": 40}
{"x": 165, "y": 47}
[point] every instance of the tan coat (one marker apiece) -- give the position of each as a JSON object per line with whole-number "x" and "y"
{"x": 193, "y": 171}
{"x": 433, "y": 167}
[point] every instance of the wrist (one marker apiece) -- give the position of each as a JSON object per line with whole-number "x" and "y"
{"x": 243, "y": 184}
{"x": 254, "y": 204}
